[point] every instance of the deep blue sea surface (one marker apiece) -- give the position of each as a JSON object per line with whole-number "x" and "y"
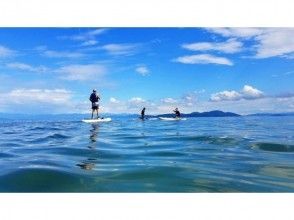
{"x": 238, "y": 154}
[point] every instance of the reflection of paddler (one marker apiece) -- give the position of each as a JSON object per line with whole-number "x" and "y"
{"x": 94, "y": 133}
{"x": 86, "y": 166}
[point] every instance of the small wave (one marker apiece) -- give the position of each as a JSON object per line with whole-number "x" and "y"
{"x": 40, "y": 180}
{"x": 165, "y": 154}
{"x": 11, "y": 144}
{"x": 45, "y": 129}
{"x": 58, "y": 136}
{"x": 38, "y": 128}
{"x": 274, "y": 147}
{"x": 50, "y": 137}
{"x": 209, "y": 139}
{"x": 4, "y": 155}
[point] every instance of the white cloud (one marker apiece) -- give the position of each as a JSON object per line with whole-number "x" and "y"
{"x": 239, "y": 102}
{"x": 267, "y": 42}
{"x": 27, "y": 67}
{"x": 38, "y": 101}
{"x": 30, "y": 96}
{"x": 245, "y": 106}
{"x": 142, "y": 70}
{"x": 275, "y": 42}
{"x": 225, "y": 95}
{"x": 62, "y": 54}
{"x": 40, "y": 95}
{"x": 133, "y": 105}
{"x": 120, "y": 49}
{"x": 137, "y": 100}
{"x": 230, "y": 46}
{"x": 136, "y": 103}
{"x": 89, "y": 35}
{"x": 44, "y": 51}
{"x": 88, "y": 38}
{"x": 114, "y": 100}
{"x": 89, "y": 43}
{"x": 6, "y": 52}
{"x": 191, "y": 98}
{"x": 203, "y": 59}
{"x": 169, "y": 101}
{"x": 237, "y": 32}
{"x": 248, "y": 92}
{"x": 82, "y": 72}
{"x": 285, "y": 95}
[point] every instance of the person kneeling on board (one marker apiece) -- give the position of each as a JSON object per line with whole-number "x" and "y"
{"x": 177, "y": 112}
{"x": 143, "y": 113}
{"x": 94, "y": 98}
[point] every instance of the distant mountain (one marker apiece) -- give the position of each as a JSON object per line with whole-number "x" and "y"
{"x": 215, "y": 113}
{"x": 273, "y": 114}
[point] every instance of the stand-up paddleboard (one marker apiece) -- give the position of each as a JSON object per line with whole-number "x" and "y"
{"x": 172, "y": 119}
{"x": 96, "y": 120}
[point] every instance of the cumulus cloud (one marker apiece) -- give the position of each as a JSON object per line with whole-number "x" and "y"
{"x": 142, "y": 70}
{"x": 120, "y": 49}
{"x": 82, "y": 72}
{"x": 225, "y": 95}
{"x": 230, "y": 46}
{"x": 27, "y": 67}
{"x": 6, "y": 52}
{"x": 203, "y": 59}
{"x": 248, "y": 92}
{"x": 114, "y": 100}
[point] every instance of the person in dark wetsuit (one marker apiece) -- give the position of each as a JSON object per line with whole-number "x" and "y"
{"x": 143, "y": 113}
{"x": 177, "y": 112}
{"x": 94, "y": 98}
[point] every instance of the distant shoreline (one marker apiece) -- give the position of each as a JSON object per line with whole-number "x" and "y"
{"x": 215, "y": 113}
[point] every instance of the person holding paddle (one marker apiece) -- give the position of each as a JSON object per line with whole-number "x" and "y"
{"x": 94, "y": 98}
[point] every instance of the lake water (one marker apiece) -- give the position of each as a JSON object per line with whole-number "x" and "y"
{"x": 239, "y": 154}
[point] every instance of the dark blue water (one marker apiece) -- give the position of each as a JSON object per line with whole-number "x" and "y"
{"x": 243, "y": 154}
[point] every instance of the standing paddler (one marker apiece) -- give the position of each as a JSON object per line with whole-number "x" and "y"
{"x": 94, "y": 98}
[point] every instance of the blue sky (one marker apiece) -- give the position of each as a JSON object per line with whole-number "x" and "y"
{"x": 53, "y": 70}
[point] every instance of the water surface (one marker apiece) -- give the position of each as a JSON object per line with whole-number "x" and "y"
{"x": 240, "y": 154}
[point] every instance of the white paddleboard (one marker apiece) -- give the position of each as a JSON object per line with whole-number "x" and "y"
{"x": 172, "y": 119}
{"x": 96, "y": 120}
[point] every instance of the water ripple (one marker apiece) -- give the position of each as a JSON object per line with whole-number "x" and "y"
{"x": 244, "y": 154}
